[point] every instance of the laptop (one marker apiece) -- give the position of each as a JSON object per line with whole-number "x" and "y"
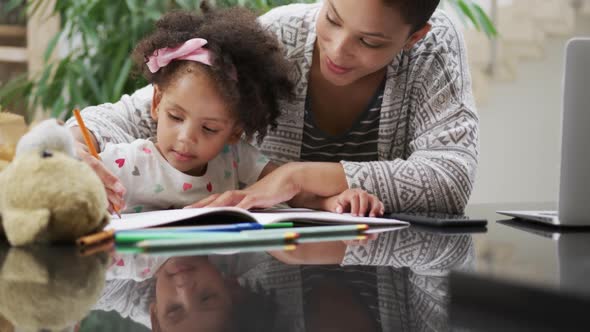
{"x": 574, "y": 182}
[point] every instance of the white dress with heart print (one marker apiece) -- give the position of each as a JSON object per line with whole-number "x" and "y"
{"x": 151, "y": 183}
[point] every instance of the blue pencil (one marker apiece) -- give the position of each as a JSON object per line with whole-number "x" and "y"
{"x": 246, "y": 226}
{"x": 210, "y": 228}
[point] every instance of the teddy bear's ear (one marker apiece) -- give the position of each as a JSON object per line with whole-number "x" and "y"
{"x": 24, "y": 226}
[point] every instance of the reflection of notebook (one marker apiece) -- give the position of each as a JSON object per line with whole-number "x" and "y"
{"x": 574, "y": 187}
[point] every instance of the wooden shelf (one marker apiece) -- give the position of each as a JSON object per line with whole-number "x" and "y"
{"x": 13, "y": 54}
{"x": 13, "y": 31}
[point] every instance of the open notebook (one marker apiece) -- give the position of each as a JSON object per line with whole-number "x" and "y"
{"x": 231, "y": 215}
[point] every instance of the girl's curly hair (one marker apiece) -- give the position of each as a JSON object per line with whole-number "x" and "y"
{"x": 237, "y": 40}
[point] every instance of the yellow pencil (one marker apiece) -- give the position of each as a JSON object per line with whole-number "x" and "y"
{"x": 91, "y": 148}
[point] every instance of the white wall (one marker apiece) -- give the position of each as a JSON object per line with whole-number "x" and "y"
{"x": 520, "y": 131}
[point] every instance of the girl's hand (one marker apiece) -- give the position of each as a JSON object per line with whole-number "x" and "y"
{"x": 356, "y": 201}
{"x": 275, "y": 188}
{"x": 114, "y": 188}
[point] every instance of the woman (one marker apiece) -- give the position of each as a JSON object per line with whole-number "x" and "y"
{"x": 383, "y": 102}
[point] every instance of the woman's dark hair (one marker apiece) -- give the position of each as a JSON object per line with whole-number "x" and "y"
{"x": 415, "y": 12}
{"x": 236, "y": 40}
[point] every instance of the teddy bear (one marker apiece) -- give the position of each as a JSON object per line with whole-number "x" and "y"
{"x": 47, "y": 195}
{"x": 49, "y": 288}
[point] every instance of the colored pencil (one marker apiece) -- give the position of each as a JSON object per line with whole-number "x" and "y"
{"x": 278, "y": 225}
{"x": 206, "y": 228}
{"x": 285, "y": 238}
{"x": 91, "y": 149}
{"x": 331, "y": 238}
{"x": 205, "y": 250}
{"x": 85, "y": 134}
{"x": 214, "y": 228}
{"x": 95, "y": 238}
{"x": 138, "y": 236}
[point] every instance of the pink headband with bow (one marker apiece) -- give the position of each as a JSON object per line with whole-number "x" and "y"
{"x": 192, "y": 50}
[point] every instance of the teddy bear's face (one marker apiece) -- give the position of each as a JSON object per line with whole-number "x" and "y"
{"x": 52, "y": 188}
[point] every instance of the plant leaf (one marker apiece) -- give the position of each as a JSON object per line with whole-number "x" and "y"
{"x": 12, "y": 5}
{"x": 466, "y": 9}
{"x": 92, "y": 82}
{"x": 486, "y": 22}
{"x": 123, "y": 77}
{"x": 51, "y": 46}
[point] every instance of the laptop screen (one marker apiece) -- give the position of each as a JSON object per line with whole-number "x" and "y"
{"x": 574, "y": 188}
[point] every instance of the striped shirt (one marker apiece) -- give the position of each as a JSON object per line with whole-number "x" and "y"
{"x": 359, "y": 143}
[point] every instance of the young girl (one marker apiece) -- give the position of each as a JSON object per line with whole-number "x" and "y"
{"x": 216, "y": 78}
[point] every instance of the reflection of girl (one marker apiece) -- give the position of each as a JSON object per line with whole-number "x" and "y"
{"x": 192, "y": 295}
{"x": 217, "y": 293}
{"x": 402, "y": 286}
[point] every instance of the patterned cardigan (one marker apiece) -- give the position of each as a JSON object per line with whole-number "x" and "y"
{"x": 428, "y": 127}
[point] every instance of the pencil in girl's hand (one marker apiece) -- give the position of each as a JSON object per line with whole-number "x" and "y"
{"x": 85, "y": 134}
{"x": 91, "y": 149}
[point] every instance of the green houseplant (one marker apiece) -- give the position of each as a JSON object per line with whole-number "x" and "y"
{"x": 102, "y": 33}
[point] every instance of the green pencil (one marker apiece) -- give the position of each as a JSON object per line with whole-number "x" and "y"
{"x": 266, "y": 239}
{"x": 278, "y": 225}
{"x": 131, "y": 237}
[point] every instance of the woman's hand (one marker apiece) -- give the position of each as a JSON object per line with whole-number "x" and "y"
{"x": 356, "y": 201}
{"x": 114, "y": 188}
{"x": 275, "y": 188}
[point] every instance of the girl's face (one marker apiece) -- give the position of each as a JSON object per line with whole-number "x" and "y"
{"x": 357, "y": 38}
{"x": 194, "y": 122}
{"x": 191, "y": 295}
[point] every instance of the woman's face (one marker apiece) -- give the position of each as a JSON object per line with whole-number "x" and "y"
{"x": 357, "y": 38}
{"x": 191, "y": 295}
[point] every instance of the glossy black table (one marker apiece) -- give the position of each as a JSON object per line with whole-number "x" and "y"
{"x": 511, "y": 276}
{"x": 528, "y": 276}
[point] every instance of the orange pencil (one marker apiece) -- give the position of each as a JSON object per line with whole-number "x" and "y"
{"x": 85, "y": 134}
{"x": 91, "y": 148}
